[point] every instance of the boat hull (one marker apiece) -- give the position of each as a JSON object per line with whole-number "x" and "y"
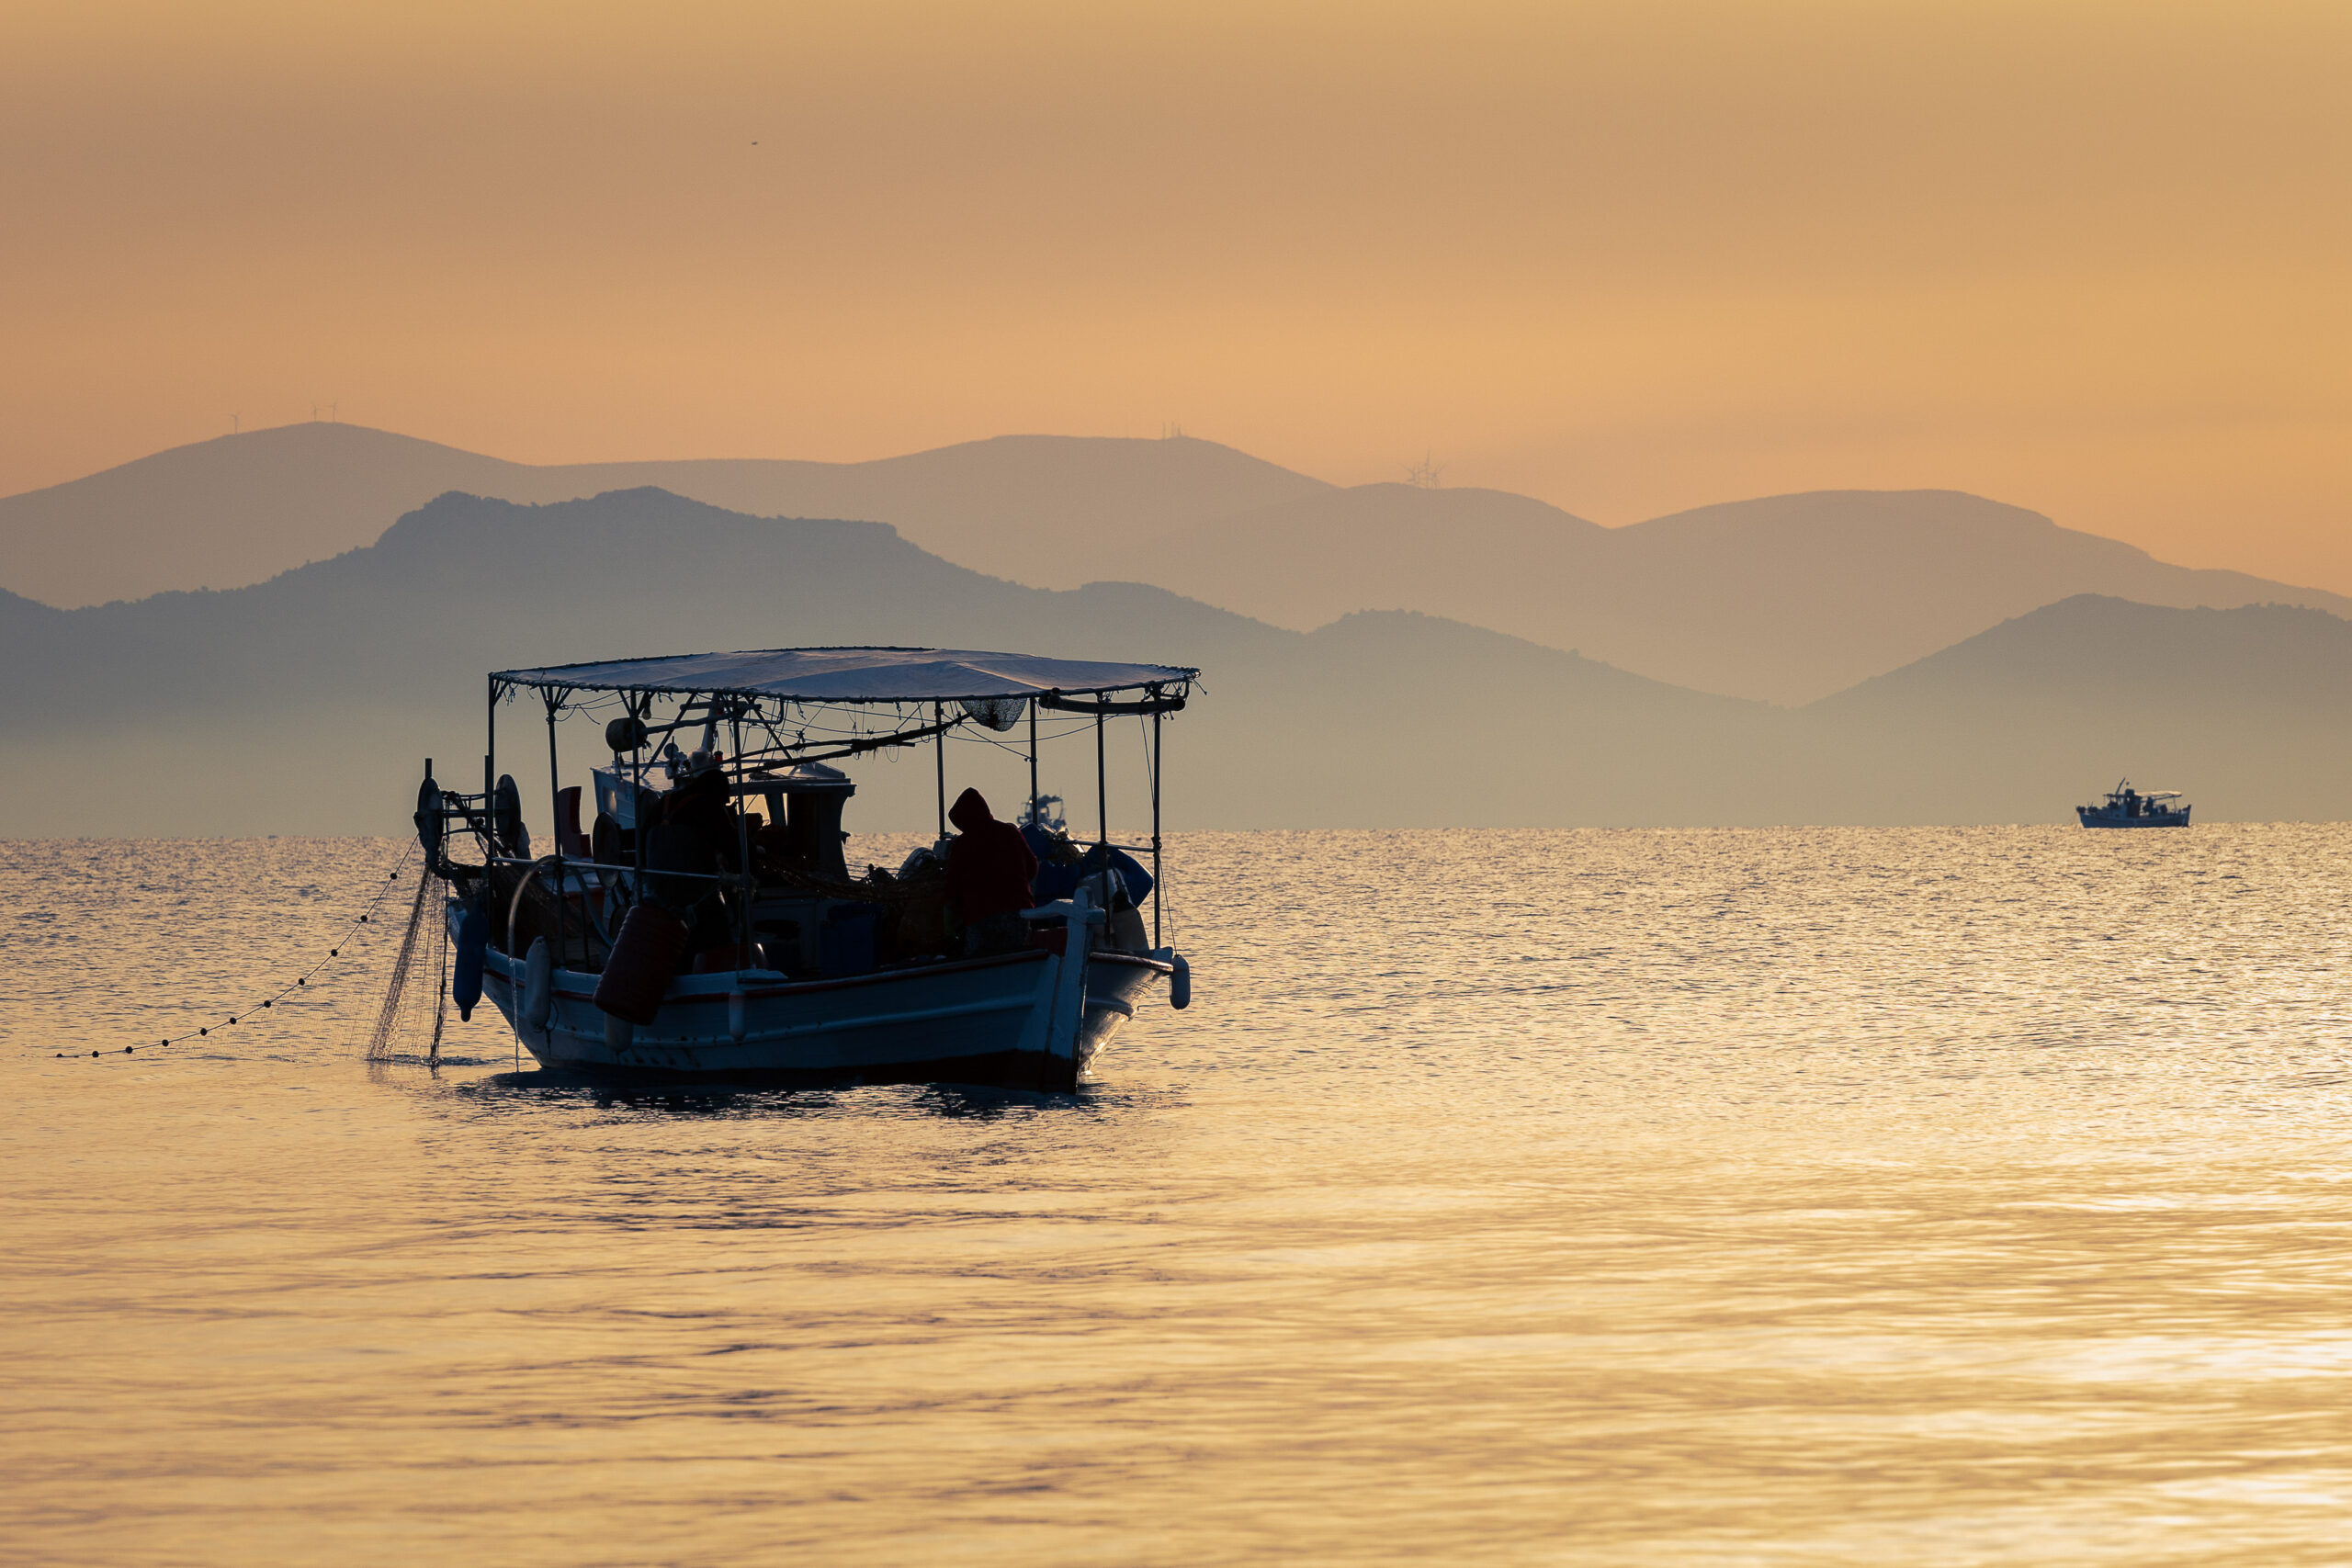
{"x": 1018, "y": 1021}
{"x": 2097, "y": 816}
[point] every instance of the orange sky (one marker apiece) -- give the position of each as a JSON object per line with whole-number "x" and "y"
{"x": 2087, "y": 257}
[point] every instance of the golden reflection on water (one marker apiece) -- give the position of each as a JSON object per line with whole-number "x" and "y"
{"x": 1711, "y": 1198}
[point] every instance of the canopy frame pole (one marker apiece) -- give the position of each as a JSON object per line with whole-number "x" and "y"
{"x": 1155, "y": 877}
{"x": 1101, "y": 798}
{"x": 490, "y": 769}
{"x": 554, "y": 828}
{"x": 743, "y": 833}
{"x": 1035, "y": 816}
{"x": 939, "y": 753}
{"x": 638, "y": 826}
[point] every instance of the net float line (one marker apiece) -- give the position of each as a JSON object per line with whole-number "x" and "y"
{"x": 300, "y": 982}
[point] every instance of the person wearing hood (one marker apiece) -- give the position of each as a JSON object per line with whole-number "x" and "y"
{"x": 693, "y": 829}
{"x": 989, "y": 867}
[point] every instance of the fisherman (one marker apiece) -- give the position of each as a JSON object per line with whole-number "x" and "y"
{"x": 693, "y": 830}
{"x": 989, "y": 867}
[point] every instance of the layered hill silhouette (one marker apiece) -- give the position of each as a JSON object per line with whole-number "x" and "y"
{"x": 307, "y": 703}
{"x": 235, "y": 511}
{"x": 2242, "y": 707}
{"x": 1784, "y": 599}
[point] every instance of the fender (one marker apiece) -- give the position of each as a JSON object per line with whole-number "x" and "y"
{"x": 465, "y": 974}
{"x": 538, "y": 985}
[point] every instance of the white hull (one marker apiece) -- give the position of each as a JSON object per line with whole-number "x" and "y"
{"x": 1030, "y": 1020}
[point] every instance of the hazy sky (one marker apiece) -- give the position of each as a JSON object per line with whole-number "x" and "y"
{"x": 2087, "y": 257}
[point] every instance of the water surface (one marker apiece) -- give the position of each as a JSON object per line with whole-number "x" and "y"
{"x": 1743, "y": 1197}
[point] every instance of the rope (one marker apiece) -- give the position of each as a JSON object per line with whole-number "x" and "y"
{"x": 301, "y": 980}
{"x": 1159, "y": 887}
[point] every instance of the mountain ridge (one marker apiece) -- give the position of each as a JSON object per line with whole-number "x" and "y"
{"x": 1719, "y": 598}
{"x": 307, "y": 492}
{"x": 307, "y": 703}
{"x": 1782, "y": 599}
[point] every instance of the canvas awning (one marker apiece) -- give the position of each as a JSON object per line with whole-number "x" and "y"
{"x": 855, "y": 675}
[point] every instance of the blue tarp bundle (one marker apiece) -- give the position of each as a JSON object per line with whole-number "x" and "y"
{"x": 1060, "y": 881}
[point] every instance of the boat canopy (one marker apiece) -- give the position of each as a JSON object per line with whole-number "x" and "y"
{"x": 855, "y": 675}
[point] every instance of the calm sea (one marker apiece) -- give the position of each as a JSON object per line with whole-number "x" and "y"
{"x": 1743, "y": 1197}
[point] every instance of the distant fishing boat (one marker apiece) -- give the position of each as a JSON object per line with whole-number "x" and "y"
{"x": 723, "y": 943}
{"x": 2129, "y": 807}
{"x": 1045, "y": 811}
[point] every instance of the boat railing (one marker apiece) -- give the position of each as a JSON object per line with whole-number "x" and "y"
{"x": 573, "y": 863}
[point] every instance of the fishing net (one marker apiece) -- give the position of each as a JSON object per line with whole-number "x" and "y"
{"x": 416, "y": 999}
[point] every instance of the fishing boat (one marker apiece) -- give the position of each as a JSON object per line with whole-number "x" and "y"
{"x": 731, "y": 942}
{"x": 2129, "y": 807}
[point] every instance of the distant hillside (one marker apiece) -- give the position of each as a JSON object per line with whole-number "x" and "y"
{"x": 2245, "y": 708}
{"x": 240, "y": 509}
{"x": 2092, "y": 655}
{"x": 228, "y": 512}
{"x": 1784, "y": 599}
{"x": 306, "y": 703}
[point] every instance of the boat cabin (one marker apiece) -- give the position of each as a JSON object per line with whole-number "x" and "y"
{"x": 2126, "y": 807}
{"x": 719, "y": 801}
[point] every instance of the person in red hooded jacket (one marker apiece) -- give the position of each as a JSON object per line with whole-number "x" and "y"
{"x": 989, "y": 866}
